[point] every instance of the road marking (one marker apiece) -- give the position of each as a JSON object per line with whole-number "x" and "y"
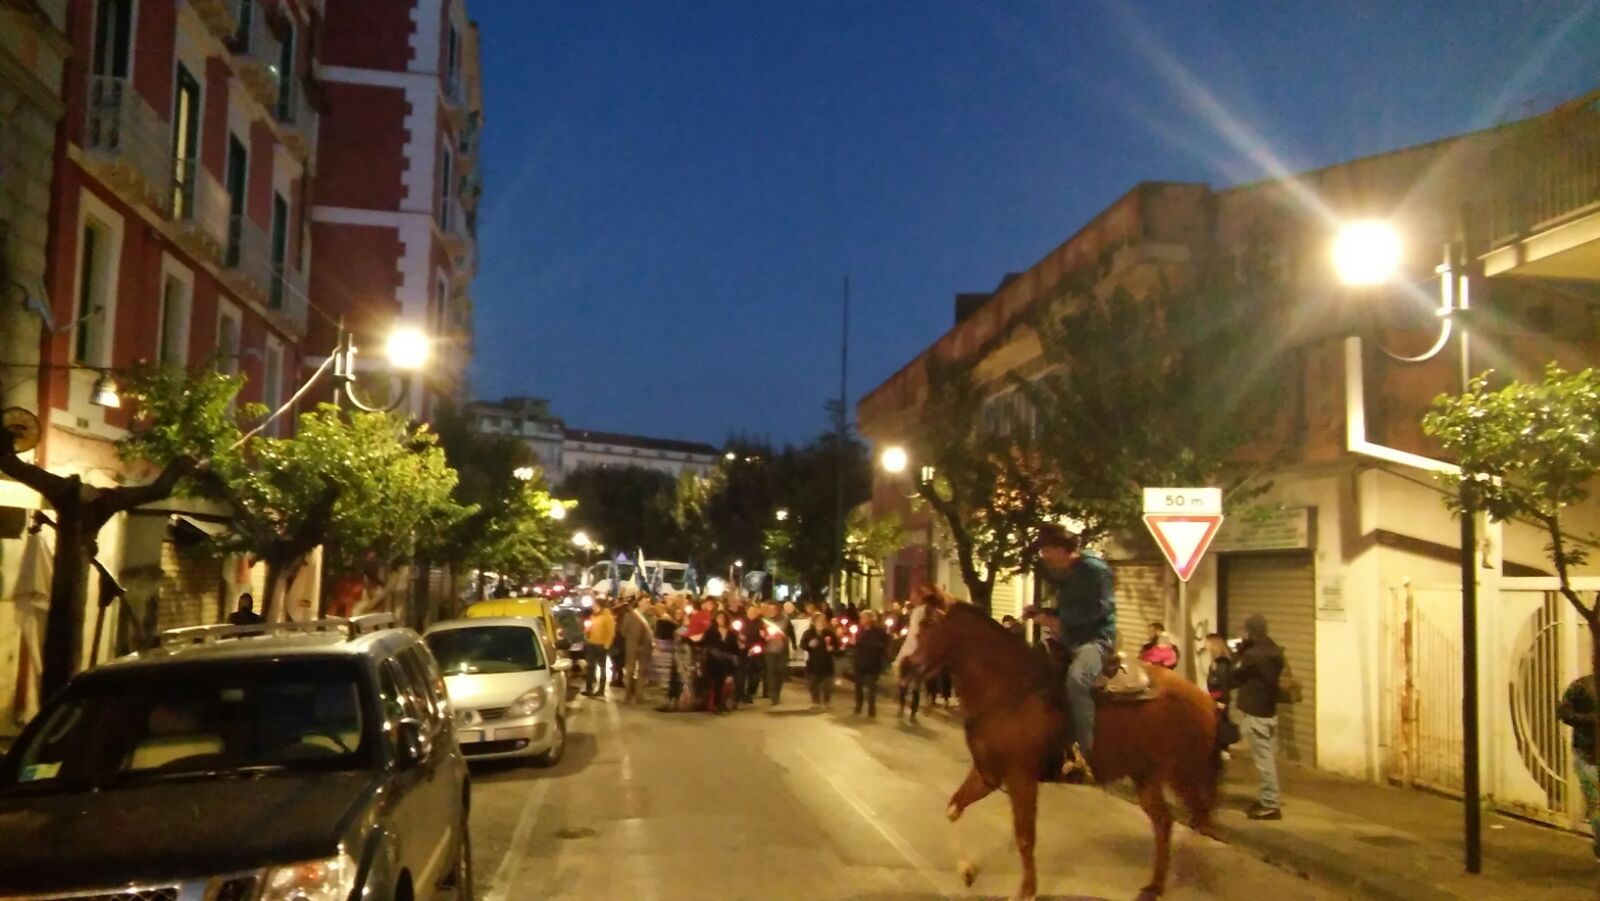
{"x": 912, "y": 856}
{"x": 506, "y": 873}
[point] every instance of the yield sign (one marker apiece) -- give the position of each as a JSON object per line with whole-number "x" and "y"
{"x": 1183, "y": 537}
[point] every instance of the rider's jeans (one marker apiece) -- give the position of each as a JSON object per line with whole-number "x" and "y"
{"x": 1262, "y": 732}
{"x": 1087, "y": 661}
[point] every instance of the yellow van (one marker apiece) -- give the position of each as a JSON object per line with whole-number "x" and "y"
{"x": 563, "y": 629}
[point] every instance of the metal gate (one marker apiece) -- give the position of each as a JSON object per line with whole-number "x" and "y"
{"x": 1532, "y": 646}
{"x": 1282, "y": 588}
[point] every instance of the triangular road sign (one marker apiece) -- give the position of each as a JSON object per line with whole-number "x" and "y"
{"x": 1183, "y": 538}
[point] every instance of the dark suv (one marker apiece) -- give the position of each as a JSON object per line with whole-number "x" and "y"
{"x": 305, "y": 761}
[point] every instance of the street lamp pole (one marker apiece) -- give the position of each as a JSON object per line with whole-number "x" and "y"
{"x": 1368, "y": 254}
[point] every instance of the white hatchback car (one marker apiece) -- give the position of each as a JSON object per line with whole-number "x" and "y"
{"x": 507, "y": 687}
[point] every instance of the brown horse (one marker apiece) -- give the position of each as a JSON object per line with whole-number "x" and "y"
{"x": 1014, "y": 702}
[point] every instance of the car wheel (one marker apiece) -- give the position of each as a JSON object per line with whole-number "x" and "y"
{"x": 460, "y": 879}
{"x": 558, "y": 745}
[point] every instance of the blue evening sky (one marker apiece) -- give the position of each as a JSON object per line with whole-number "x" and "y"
{"x": 674, "y": 190}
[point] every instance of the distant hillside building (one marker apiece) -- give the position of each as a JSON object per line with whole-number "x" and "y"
{"x": 528, "y": 418}
{"x": 583, "y": 447}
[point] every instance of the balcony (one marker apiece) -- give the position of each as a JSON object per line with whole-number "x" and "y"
{"x": 1543, "y": 216}
{"x": 286, "y": 299}
{"x": 456, "y": 226}
{"x": 297, "y": 119}
{"x": 256, "y": 53}
{"x": 221, "y": 17}
{"x": 127, "y": 143}
{"x": 453, "y": 88}
{"x": 199, "y": 204}
{"x": 248, "y": 258}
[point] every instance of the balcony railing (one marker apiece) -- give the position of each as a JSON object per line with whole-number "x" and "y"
{"x": 123, "y": 133}
{"x": 288, "y": 293}
{"x": 456, "y": 224}
{"x": 249, "y": 254}
{"x": 257, "y": 52}
{"x": 1546, "y": 173}
{"x": 199, "y": 202}
{"x": 220, "y": 16}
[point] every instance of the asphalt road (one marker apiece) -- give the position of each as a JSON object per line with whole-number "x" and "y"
{"x": 784, "y": 802}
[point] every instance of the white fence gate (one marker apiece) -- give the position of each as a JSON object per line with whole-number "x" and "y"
{"x": 1531, "y": 645}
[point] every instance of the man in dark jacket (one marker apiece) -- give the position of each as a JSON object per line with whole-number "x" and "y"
{"x": 1578, "y": 708}
{"x": 1256, "y": 677}
{"x": 872, "y": 651}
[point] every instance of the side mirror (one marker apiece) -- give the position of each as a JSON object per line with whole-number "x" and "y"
{"x": 561, "y": 664}
{"x": 412, "y": 742}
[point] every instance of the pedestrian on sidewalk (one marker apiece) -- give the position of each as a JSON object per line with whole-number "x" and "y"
{"x": 1159, "y": 650}
{"x": 1257, "y": 677}
{"x": 637, "y": 638}
{"x": 819, "y": 644}
{"x": 872, "y": 651}
{"x": 597, "y": 649}
{"x": 1219, "y": 682}
{"x": 1578, "y": 708}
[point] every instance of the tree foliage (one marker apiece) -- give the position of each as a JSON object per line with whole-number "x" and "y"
{"x": 625, "y": 508}
{"x": 804, "y": 481}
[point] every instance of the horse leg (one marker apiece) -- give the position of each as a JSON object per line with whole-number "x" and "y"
{"x": 1154, "y": 801}
{"x": 1199, "y": 799}
{"x": 1024, "y": 791}
{"x": 973, "y": 790}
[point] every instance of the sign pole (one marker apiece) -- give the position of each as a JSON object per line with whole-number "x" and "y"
{"x": 1185, "y": 638}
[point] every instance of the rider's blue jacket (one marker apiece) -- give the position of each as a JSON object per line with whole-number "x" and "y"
{"x": 1085, "y": 601}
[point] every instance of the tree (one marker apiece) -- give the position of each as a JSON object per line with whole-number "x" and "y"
{"x": 989, "y": 485}
{"x": 868, "y": 542}
{"x": 691, "y": 513}
{"x": 367, "y": 487}
{"x": 1528, "y": 451}
{"x": 626, "y": 508}
{"x": 803, "y": 481}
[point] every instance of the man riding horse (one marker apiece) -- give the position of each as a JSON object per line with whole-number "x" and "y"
{"x": 1084, "y": 619}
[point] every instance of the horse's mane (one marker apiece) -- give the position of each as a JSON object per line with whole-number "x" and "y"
{"x": 1005, "y": 654}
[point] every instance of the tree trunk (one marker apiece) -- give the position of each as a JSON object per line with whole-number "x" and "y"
{"x": 69, "y": 582}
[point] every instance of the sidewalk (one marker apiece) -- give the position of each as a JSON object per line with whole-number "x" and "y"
{"x": 1381, "y": 841}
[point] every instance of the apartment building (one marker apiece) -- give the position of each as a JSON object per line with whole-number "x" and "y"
{"x": 401, "y": 217}
{"x": 1352, "y": 555}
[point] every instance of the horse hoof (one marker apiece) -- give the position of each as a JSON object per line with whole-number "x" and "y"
{"x": 1149, "y": 893}
{"x": 968, "y": 873}
{"x": 952, "y": 813}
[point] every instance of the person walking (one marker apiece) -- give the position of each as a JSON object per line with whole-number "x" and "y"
{"x": 1257, "y": 677}
{"x": 872, "y": 650}
{"x": 1577, "y": 709}
{"x": 819, "y": 644}
{"x": 597, "y": 649}
{"x": 721, "y": 646}
{"x": 778, "y": 637}
{"x": 1159, "y": 650}
{"x": 637, "y": 638}
{"x": 910, "y": 677}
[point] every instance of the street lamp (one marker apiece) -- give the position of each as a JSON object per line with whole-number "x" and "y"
{"x": 783, "y": 514}
{"x": 407, "y": 348}
{"x": 558, "y": 512}
{"x": 522, "y": 473}
{"x": 895, "y": 461}
{"x": 1367, "y": 254}
{"x": 730, "y": 456}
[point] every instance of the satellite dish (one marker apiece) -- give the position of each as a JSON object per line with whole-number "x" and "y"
{"x": 23, "y": 427}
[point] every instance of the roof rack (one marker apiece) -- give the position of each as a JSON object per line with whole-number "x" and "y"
{"x": 350, "y": 627}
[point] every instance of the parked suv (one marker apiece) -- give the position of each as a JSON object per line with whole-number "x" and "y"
{"x": 243, "y": 763}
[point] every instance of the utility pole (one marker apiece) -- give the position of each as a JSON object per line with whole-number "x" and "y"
{"x": 840, "y": 422}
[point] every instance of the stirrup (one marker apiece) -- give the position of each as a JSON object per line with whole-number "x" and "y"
{"x": 1076, "y": 769}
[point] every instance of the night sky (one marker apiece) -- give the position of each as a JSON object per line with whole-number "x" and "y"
{"x": 674, "y": 190}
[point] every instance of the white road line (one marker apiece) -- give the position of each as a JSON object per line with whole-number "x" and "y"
{"x": 912, "y": 856}
{"x": 505, "y": 875}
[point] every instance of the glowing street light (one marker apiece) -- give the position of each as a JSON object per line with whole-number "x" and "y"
{"x": 581, "y": 540}
{"x": 894, "y": 460}
{"x": 783, "y": 513}
{"x": 1366, "y": 252}
{"x": 730, "y": 456}
{"x": 522, "y": 473}
{"x": 558, "y": 512}
{"x": 408, "y": 348}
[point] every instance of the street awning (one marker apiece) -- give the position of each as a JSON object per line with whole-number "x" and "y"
{"x": 206, "y": 527}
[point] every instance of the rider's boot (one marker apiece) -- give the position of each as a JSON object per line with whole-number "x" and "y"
{"x": 1076, "y": 770}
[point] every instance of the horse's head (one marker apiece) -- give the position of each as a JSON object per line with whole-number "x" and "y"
{"x": 933, "y": 640}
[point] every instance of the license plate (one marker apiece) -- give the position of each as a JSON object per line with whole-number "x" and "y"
{"x": 469, "y": 736}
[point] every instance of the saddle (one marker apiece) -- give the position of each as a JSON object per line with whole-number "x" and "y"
{"x": 1120, "y": 683}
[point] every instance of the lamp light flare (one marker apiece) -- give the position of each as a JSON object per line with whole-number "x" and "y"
{"x": 1366, "y": 252}
{"x": 408, "y": 348}
{"x": 558, "y": 512}
{"x": 893, "y": 460}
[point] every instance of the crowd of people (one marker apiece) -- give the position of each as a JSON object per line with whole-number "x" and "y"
{"x": 719, "y": 654}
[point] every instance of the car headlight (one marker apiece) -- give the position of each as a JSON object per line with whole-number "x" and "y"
{"x": 332, "y": 879}
{"x": 530, "y": 703}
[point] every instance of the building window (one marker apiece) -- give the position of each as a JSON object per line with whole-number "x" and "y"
{"x": 272, "y": 383}
{"x": 93, "y": 307}
{"x": 286, "y": 76}
{"x": 113, "y": 28}
{"x": 238, "y": 169}
{"x": 452, "y": 62}
{"x": 280, "y": 248}
{"x": 228, "y": 341}
{"x": 444, "y": 190}
{"x": 185, "y": 142}
{"x": 175, "y": 306}
{"x": 441, "y": 303}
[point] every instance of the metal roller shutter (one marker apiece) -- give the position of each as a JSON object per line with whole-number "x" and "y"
{"x": 1003, "y": 599}
{"x": 1282, "y": 588}
{"x": 1141, "y": 600}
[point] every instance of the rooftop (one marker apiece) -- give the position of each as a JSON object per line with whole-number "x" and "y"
{"x": 589, "y": 436}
